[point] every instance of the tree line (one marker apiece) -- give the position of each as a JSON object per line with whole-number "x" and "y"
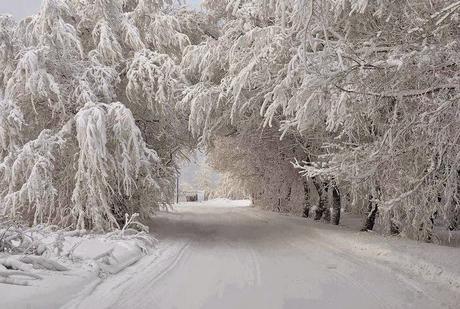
{"x": 311, "y": 106}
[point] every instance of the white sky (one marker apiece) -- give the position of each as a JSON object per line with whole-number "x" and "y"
{"x": 22, "y": 8}
{"x": 19, "y": 8}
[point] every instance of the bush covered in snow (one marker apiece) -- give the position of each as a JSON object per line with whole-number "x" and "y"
{"x": 24, "y": 251}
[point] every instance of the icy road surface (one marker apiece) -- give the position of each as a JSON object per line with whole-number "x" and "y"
{"x": 239, "y": 257}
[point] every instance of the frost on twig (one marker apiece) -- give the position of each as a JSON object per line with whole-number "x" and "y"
{"x": 134, "y": 230}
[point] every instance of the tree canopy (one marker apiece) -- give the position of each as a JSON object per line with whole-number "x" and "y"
{"x": 300, "y": 102}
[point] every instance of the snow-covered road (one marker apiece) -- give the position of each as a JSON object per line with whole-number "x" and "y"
{"x": 239, "y": 257}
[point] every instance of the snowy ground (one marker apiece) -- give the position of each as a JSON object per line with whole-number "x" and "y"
{"x": 70, "y": 263}
{"x": 212, "y": 256}
{"x": 218, "y": 202}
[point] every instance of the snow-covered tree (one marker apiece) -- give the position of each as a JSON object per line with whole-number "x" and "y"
{"x": 89, "y": 129}
{"x": 370, "y": 90}
{"x": 230, "y": 187}
{"x": 360, "y": 97}
{"x": 205, "y": 177}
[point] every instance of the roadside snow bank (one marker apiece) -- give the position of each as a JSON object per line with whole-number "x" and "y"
{"x": 110, "y": 256}
{"x": 433, "y": 263}
{"x": 41, "y": 261}
{"x": 412, "y": 259}
{"x": 427, "y": 262}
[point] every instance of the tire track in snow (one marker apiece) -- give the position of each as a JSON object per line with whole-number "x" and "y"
{"x": 75, "y": 302}
{"x": 256, "y": 266}
{"x": 146, "y": 284}
{"x": 172, "y": 265}
{"x": 105, "y": 290}
{"x": 153, "y": 263}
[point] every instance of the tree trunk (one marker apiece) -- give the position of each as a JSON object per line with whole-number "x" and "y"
{"x": 288, "y": 195}
{"x": 454, "y": 222}
{"x": 429, "y": 230}
{"x": 346, "y": 202}
{"x": 394, "y": 228}
{"x": 454, "y": 208}
{"x": 336, "y": 205}
{"x": 278, "y": 207}
{"x": 306, "y": 196}
{"x": 326, "y": 206}
{"x": 322, "y": 211}
{"x": 373, "y": 210}
{"x": 371, "y": 215}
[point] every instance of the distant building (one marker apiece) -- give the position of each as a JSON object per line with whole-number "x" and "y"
{"x": 192, "y": 196}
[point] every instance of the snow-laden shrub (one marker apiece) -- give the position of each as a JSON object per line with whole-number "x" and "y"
{"x": 83, "y": 175}
{"x": 112, "y": 160}
{"x": 24, "y": 251}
